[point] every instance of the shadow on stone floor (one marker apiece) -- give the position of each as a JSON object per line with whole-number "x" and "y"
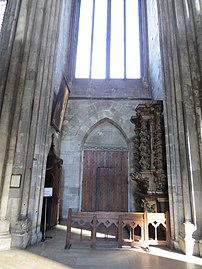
{"x": 82, "y": 256}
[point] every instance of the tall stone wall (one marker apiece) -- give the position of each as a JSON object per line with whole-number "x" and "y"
{"x": 82, "y": 117}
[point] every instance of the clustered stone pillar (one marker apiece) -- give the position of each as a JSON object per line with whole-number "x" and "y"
{"x": 27, "y": 62}
{"x": 181, "y": 47}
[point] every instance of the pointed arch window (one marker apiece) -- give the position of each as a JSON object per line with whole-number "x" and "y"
{"x": 108, "y": 44}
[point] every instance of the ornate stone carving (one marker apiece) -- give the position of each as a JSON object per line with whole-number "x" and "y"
{"x": 136, "y": 122}
{"x": 158, "y": 142}
{"x": 142, "y": 182}
{"x": 23, "y": 225}
{"x": 149, "y": 155}
{"x": 144, "y": 205}
{"x": 145, "y": 149}
{"x": 161, "y": 182}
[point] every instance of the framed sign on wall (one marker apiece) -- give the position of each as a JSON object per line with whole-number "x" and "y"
{"x": 15, "y": 181}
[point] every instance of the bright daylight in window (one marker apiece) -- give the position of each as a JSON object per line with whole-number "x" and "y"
{"x": 108, "y": 40}
{"x": 2, "y": 10}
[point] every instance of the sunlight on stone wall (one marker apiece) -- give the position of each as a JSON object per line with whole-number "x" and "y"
{"x": 2, "y": 10}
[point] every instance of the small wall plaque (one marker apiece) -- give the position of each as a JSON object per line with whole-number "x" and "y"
{"x": 15, "y": 181}
{"x": 48, "y": 192}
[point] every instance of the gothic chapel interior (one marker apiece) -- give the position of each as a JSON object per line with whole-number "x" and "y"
{"x": 108, "y": 127}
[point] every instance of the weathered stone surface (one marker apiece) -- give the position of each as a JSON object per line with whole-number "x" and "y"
{"x": 34, "y": 44}
{"x": 178, "y": 40}
{"x": 28, "y": 66}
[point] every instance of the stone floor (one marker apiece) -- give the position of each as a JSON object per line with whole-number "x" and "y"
{"x": 51, "y": 254}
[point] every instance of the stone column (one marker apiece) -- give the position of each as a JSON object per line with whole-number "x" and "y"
{"x": 25, "y": 117}
{"x": 11, "y": 53}
{"x": 42, "y": 145}
{"x": 46, "y": 26}
{"x": 181, "y": 81}
{"x": 197, "y": 25}
{"x": 31, "y": 78}
{"x": 7, "y": 36}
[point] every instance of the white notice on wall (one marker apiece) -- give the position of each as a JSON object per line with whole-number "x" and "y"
{"x": 48, "y": 192}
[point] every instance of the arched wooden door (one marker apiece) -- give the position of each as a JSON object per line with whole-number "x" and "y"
{"x": 52, "y": 180}
{"x": 105, "y": 181}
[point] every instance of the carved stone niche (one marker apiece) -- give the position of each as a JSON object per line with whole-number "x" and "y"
{"x": 149, "y": 154}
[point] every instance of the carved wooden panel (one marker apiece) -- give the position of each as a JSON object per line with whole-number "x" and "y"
{"x": 144, "y": 228}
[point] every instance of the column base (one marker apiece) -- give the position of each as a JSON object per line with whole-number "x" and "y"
{"x": 5, "y": 236}
{"x": 21, "y": 233}
{"x": 200, "y": 247}
{"x": 20, "y": 240}
{"x": 174, "y": 245}
{"x": 36, "y": 237}
{"x": 188, "y": 244}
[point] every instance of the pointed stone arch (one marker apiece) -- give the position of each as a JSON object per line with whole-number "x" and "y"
{"x": 106, "y": 134}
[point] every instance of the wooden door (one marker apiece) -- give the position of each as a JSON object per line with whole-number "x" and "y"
{"x": 52, "y": 180}
{"x": 105, "y": 181}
